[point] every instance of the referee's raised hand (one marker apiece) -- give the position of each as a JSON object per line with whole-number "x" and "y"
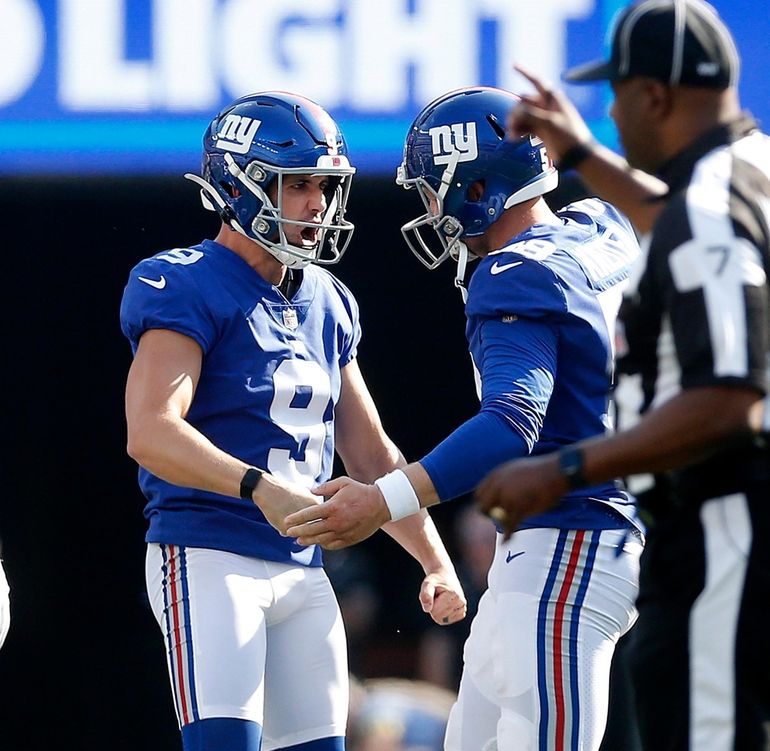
{"x": 549, "y": 115}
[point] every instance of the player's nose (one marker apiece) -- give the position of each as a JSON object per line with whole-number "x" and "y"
{"x": 317, "y": 201}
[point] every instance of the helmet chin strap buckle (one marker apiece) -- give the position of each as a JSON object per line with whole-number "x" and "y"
{"x": 462, "y": 262}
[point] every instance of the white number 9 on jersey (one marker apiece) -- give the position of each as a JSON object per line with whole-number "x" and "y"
{"x": 302, "y": 390}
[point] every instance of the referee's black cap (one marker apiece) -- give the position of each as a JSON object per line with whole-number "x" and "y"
{"x": 679, "y": 42}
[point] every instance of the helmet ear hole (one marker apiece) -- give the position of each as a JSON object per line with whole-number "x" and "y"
{"x": 231, "y": 190}
{"x": 476, "y": 190}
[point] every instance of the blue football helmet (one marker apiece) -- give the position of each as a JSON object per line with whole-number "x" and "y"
{"x": 260, "y": 138}
{"x": 456, "y": 140}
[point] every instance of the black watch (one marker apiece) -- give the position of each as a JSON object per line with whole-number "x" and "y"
{"x": 571, "y": 466}
{"x": 250, "y": 480}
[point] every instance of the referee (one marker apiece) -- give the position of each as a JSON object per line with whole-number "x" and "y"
{"x": 697, "y": 331}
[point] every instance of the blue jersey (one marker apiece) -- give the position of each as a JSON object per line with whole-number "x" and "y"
{"x": 540, "y": 326}
{"x": 268, "y": 387}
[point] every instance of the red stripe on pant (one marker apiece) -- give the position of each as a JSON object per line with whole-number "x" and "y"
{"x": 176, "y": 641}
{"x": 558, "y": 623}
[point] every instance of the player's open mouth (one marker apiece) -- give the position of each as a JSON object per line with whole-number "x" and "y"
{"x": 309, "y": 235}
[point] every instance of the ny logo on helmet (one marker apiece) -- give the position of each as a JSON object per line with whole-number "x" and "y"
{"x": 237, "y": 133}
{"x": 446, "y": 140}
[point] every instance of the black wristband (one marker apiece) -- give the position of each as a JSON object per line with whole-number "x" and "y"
{"x": 571, "y": 466}
{"x": 250, "y": 479}
{"x": 575, "y": 156}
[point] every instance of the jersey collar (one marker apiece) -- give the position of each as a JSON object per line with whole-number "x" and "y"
{"x": 678, "y": 170}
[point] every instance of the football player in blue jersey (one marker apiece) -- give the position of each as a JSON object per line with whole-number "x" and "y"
{"x": 244, "y": 382}
{"x": 540, "y": 307}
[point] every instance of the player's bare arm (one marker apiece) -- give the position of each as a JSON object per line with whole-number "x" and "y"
{"x": 355, "y": 510}
{"x": 441, "y": 594}
{"x": 683, "y": 430}
{"x": 549, "y": 114}
{"x": 160, "y": 388}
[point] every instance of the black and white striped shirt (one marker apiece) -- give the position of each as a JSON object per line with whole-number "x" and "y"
{"x": 701, "y": 312}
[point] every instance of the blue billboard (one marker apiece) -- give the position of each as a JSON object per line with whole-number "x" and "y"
{"x": 128, "y": 86}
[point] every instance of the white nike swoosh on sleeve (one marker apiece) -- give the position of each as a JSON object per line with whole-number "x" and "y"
{"x": 157, "y": 283}
{"x": 497, "y": 269}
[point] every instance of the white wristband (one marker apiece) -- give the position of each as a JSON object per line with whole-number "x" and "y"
{"x": 399, "y": 494}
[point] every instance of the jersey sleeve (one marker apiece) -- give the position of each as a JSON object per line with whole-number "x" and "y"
{"x": 604, "y": 215}
{"x": 160, "y": 295}
{"x": 349, "y": 329}
{"x": 509, "y": 284}
{"x": 518, "y": 367}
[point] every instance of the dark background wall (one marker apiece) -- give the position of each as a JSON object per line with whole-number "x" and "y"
{"x": 83, "y": 664}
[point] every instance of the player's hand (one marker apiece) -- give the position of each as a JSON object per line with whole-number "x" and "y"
{"x": 353, "y": 512}
{"x": 442, "y": 597}
{"x": 548, "y": 114}
{"x": 277, "y": 499}
{"x": 519, "y": 489}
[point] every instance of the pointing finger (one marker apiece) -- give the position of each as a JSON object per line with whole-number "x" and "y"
{"x": 542, "y": 88}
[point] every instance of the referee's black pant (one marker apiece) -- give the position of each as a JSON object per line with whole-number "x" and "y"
{"x": 700, "y": 652}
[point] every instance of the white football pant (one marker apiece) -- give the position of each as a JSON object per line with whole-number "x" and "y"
{"x": 251, "y": 639}
{"x": 537, "y": 661}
